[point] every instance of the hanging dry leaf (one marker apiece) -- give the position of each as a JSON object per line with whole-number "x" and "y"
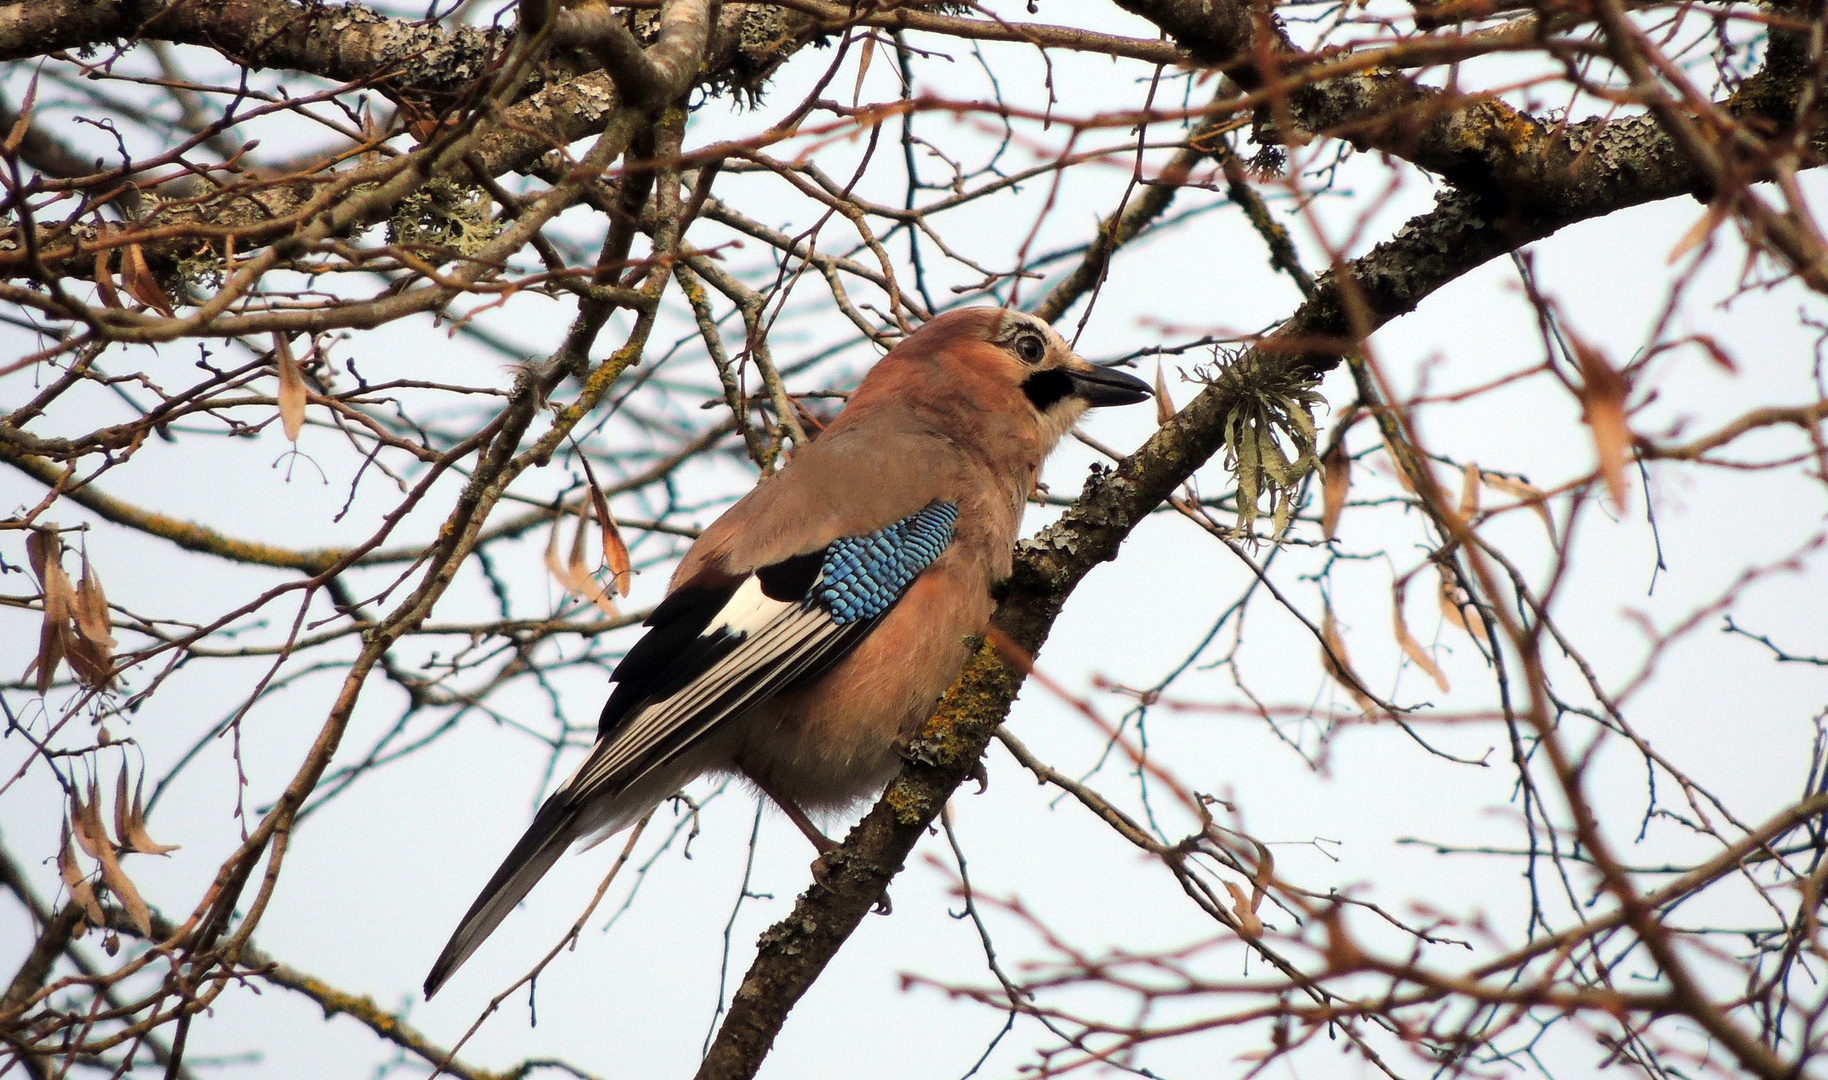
{"x": 1337, "y": 664}
{"x": 1336, "y": 481}
{"x": 92, "y": 608}
{"x": 90, "y": 651}
{"x": 77, "y": 882}
{"x": 86, "y": 819}
{"x": 41, "y": 547}
{"x": 582, "y": 583}
{"x": 137, "y": 278}
{"x": 16, "y": 137}
{"x": 130, "y": 822}
{"x": 1453, "y": 609}
{"x": 1164, "y": 405}
{"x": 615, "y": 552}
{"x": 291, "y": 388}
{"x": 864, "y": 56}
{"x": 120, "y": 806}
{"x": 1411, "y": 647}
{"x": 1526, "y": 494}
{"x": 1469, "y": 491}
{"x": 104, "y": 281}
{"x": 1249, "y": 926}
{"x": 1602, "y": 398}
{"x": 122, "y": 887}
{"x": 93, "y": 666}
{"x": 45, "y": 553}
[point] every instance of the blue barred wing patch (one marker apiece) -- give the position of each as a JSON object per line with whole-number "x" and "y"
{"x": 864, "y": 575}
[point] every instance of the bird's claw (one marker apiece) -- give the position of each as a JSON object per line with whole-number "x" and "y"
{"x": 980, "y": 774}
{"x": 821, "y": 876}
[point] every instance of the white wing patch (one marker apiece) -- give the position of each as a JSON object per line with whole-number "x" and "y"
{"x": 748, "y": 611}
{"x": 776, "y": 641}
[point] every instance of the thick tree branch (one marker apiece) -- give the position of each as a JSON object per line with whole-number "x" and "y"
{"x": 1476, "y": 141}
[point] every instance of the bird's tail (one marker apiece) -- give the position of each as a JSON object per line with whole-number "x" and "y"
{"x": 552, "y": 831}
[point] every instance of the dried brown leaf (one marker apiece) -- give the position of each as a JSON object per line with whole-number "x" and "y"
{"x": 93, "y": 665}
{"x": 1336, "y": 481}
{"x": 86, "y": 819}
{"x": 104, "y": 281}
{"x": 1526, "y": 494}
{"x": 1249, "y": 926}
{"x": 121, "y": 807}
{"x": 864, "y": 56}
{"x": 1411, "y": 647}
{"x": 41, "y": 547}
{"x": 93, "y": 836}
{"x": 1164, "y": 405}
{"x": 122, "y": 887}
{"x": 92, "y": 609}
{"x": 1602, "y": 396}
{"x": 137, "y": 278}
{"x": 1337, "y": 664}
{"x": 16, "y": 137}
{"x": 291, "y": 388}
{"x": 578, "y": 575}
{"x": 1469, "y": 491}
{"x": 136, "y": 838}
{"x": 45, "y": 553}
{"x": 1453, "y": 609}
{"x": 77, "y": 882}
{"x": 615, "y": 551}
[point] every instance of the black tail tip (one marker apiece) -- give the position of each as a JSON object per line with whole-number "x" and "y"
{"x": 435, "y": 981}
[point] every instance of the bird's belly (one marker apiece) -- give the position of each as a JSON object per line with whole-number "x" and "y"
{"x": 834, "y": 742}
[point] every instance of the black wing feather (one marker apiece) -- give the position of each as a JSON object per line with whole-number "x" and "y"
{"x": 670, "y": 654}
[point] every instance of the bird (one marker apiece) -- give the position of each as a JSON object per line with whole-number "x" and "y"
{"x": 812, "y": 628}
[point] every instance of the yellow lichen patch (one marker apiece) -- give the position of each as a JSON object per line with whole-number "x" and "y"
{"x": 971, "y": 707}
{"x": 910, "y": 806}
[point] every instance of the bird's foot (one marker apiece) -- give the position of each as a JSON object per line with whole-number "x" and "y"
{"x": 980, "y": 774}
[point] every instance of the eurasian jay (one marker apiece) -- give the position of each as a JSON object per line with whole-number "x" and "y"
{"x": 812, "y": 628}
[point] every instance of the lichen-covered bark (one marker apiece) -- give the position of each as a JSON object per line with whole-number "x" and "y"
{"x": 1475, "y": 141}
{"x": 354, "y": 44}
{"x": 345, "y": 42}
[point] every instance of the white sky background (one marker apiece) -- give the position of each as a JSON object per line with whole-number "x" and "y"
{"x": 375, "y": 881}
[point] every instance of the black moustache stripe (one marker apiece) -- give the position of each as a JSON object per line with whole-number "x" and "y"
{"x": 1046, "y": 387}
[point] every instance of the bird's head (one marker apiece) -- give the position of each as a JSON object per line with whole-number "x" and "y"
{"x": 1000, "y": 367}
{"x": 1060, "y": 385}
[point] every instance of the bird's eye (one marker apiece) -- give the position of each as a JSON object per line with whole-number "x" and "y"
{"x": 1030, "y": 348}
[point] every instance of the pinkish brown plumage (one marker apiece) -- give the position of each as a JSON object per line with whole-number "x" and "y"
{"x": 814, "y": 625}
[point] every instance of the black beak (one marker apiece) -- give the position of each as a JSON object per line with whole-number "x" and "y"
{"x": 1104, "y": 386}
